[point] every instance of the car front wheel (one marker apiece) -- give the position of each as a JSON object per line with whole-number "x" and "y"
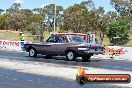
{"x": 32, "y": 52}
{"x": 70, "y": 55}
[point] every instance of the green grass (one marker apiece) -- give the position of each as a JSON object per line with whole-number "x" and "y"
{"x": 9, "y": 35}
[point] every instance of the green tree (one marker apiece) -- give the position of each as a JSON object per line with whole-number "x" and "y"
{"x": 100, "y": 23}
{"x": 84, "y": 17}
{"x": 36, "y": 26}
{"x": 77, "y": 17}
{"x": 112, "y": 15}
{"x": 4, "y": 21}
{"x": 19, "y": 18}
{"x": 16, "y": 17}
{"x": 121, "y": 6}
{"x": 36, "y": 20}
{"x": 118, "y": 32}
{"x": 49, "y": 11}
{"x": 1, "y": 11}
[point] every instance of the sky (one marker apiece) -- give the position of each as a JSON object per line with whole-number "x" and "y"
{"x": 30, "y": 4}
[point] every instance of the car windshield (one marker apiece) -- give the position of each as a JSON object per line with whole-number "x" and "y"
{"x": 76, "y": 39}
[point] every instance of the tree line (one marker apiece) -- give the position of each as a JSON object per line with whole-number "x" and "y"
{"x": 82, "y": 17}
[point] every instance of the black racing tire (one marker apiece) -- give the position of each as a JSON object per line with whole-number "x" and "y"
{"x": 70, "y": 55}
{"x": 32, "y": 52}
{"x": 86, "y": 58}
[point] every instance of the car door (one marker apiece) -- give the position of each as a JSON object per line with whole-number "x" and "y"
{"x": 62, "y": 44}
{"x": 51, "y": 45}
{"x": 57, "y": 45}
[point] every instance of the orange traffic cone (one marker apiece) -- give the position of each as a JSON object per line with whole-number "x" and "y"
{"x": 81, "y": 71}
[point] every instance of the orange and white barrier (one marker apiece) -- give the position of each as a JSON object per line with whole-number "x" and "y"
{"x": 114, "y": 50}
{"x": 12, "y": 45}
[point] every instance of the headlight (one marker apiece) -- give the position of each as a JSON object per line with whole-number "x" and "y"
{"x": 83, "y": 48}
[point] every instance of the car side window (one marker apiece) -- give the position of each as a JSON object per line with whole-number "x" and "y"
{"x": 61, "y": 39}
{"x": 51, "y": 39}
{"x": 56, "y": 39}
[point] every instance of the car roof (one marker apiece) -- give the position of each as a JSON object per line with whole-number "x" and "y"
{"x": 64, "y": 35}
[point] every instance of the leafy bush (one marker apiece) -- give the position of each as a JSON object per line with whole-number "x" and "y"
{"x": 118, "y": 32}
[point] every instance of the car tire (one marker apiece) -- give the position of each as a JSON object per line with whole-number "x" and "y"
{"x": 70, "y": 55}
{"x": 87, "y": 58}
{"x": 32, "y": 52}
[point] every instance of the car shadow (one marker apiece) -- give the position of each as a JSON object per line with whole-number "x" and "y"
{"x": 110, "y": 63}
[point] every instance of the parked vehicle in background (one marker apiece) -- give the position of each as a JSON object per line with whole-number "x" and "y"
{"x": 71, "y": 46}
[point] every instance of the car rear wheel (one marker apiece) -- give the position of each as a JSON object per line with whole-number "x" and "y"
{"x": 32, "y": 52}
{"x": 87, "y": 58}
{"x": 70, "y": 55}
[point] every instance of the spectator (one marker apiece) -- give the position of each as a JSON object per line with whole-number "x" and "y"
{"x": 22, "y": 38}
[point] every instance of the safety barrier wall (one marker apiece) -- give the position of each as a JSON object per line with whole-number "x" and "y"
{"x": 119, "y": 51}
{"x": 113, "y": 50}
{"x": 12, "y": 45}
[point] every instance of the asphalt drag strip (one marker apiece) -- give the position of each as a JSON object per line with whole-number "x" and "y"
{"x": 13, "y": 79}
{"x": 98, "y": 62}
{"x": 67, "y": 70}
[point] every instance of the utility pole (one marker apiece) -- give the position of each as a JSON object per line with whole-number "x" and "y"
{"x": 55, "y": 19}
